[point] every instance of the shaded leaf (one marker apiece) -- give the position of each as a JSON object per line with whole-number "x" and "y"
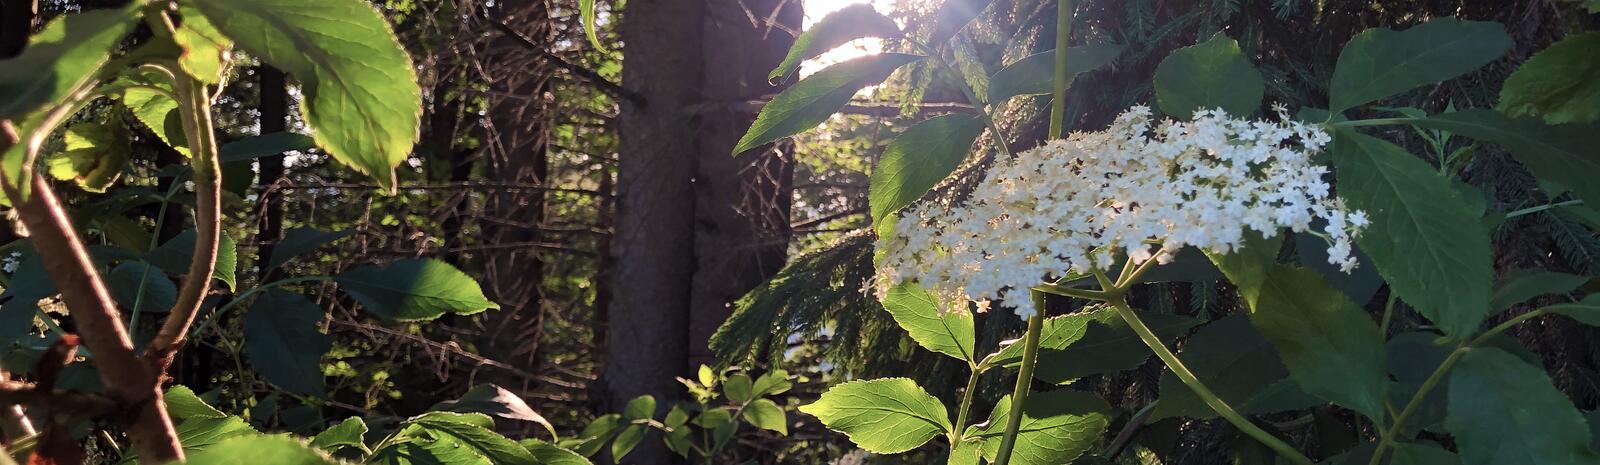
{"x": 812, "y": 100}
{"x": 1379, "y": 63}
{"x": 1560, "y": 83}
{"x": 1211, "y": 74}
{"x": 1504, "y": 411}
{"x": 141, "y": 282}
{"x": 1518, "y": 286}
{"x": 176, "y": 254}
{"x": 257, "y": 146}
{"x": 94, "y": 157}
{"x": 1234, "y": 360}
{"x": 414, "y": 290}
{"x": 1035, "y": 74}
{"x": 299, "y": 241}
{"x": 545, "y": 453}
{"x": 61, "y": 58}
{"x": 496, "y": 401}
{"x": 626, "y": 441}
{"x": 1559, "y": 154}
{"x": 491, "y": 445}
{"x": 284, "y": 341}
{"x": 767, "y": 415}
{"x": 1107, "y": 344}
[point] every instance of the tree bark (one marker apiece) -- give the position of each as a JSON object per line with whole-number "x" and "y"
{"x": 741, "y": 203}
{"x": 274, "y": 118}
{"x": 653, "y": 244}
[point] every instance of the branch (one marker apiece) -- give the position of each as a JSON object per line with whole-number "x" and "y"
{"x": 196, "y": 111}
{"x": 72, "y": 404}
{"x": 133, "y": 382}
{"x": 610, "y": 88}
{"x": 878, "y": 110}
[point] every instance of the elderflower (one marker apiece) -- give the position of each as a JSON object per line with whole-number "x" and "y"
{"x": 1140, "y": 187}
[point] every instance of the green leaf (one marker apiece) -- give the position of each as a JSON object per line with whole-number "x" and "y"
{"x": 545, "y": 453}
{"x": 175, "y": 256}
{"x": 1518, "y": 286}
{"x": 852, "y": 22}
{"x": 707, "y": 377}
{"x": 918, "y": 159}
{"x": 1412, "y": 357}
{"x": 253, "y": 147}
{"x": 1586, "y": 311}
{"x": 348, "y": 433}
{"x": 951, "y": 17}
{"x": 284, "y": 341}
{"x": 772, "y": 383}
{"x": 94, "y": 157}
{"x": 202, "y": 433}
{"x": 1424, "y": 238}
{"x": 812, "y": 100}
{"x": 62, "y": 58}
{"x": 127, "y": 279}
{"x": 1331, "y": 347}
{"x": 1248, "y": 265}
{"x": 1560, "y": 154}
{"x": 1379, "y": 63}
{"x": 495, "y": 401}
{"x": 1056, "y": 427}
{"x": 887, "y": 416}
{"x": 1035, "y": 74}
{"x": 496, "y": 448}
{"x": 739, "y": 389}
{"x": 586, "y": 14}
{"x": 1504, "y": 411}
{"x": 627, "y": 440}
{"x": 361, "y": 93}
{"x": 915, "y": 310}
{"x": 205, "y": 49}
{"x": 156, "y": 110}
{"x": 183, "y": 404}
{"x": 966, "y": 453}
{"x": 259, "y": 450}
{"x": 1091, "y": 342}
{"x": 1234, "y": 360}
{"x": 639, "y": 408}
{"x": 1360, "y": 285}
{"x": 1560, "y": 83}
{"x": 299, "y": 241}
{"x": 767, "y": 415}
{"x": 414, "y": 290}
{"x": 1211, "y": 74}
{"x": 1401, "y": 454}
{"x": 438, "y": 451}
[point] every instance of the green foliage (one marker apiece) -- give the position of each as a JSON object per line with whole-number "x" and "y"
{"x": 747, "y": 400}
{"x": 917, "y": 160}
{"x": 284, "y": 341}
{"x": 1518, "y": 286}
{"x": 348, "y": 433}
{"x": 852, "y": 22}
{"x": 812, "y": 100}
{"x": 414, "y": 290}
{"x": 1032, "y": 75}
{"x": 263, "y": 450}
{"x": 175, "y": 255}
{"x": 360, "y": 90}
{"x": 1057, "y": 427}
{"x": 1090, "y": 343}
{"x": 205, "y": 49}
{"x": 1424, "y": 239}
{"x": 61, "y": 59}
{"x": 140, "y": 287}
{"x": 300, "y": 241}
{"x": 1212, "y": 74}
{"x": 1560, "y": 84}
{"x": 1505, "y": 412}
{"x": 1232, "y": 358}
{"x": 945, "y": 332}
{"x": 1558, "y": 154}
{"x": 887, "y": 416}
{"x": 94, "y": 157}
{"x": 1380, "y": 62}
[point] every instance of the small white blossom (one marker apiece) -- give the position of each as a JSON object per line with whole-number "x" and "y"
{"x": 10, "y": 262}
{"x": 1136, "y": 188}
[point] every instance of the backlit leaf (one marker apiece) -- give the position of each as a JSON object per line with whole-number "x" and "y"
{"x": 812, "y": 100}
{"x": 852, "y": 22}
{"x": 887, "y": 416}
{"x": 414, "y": 290}
{"x": 1035, "y": 74}
{"x": 915, "y": 310}
{"x": 918, "y": 159}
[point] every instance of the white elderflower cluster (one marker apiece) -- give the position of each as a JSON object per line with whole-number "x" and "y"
{"x": 1138, "y": 187}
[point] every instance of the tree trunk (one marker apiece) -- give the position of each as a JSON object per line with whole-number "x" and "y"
{"x": 741, "y": 203}
{"x": 653, "y": 245}
{"x": 274, "y": 118}
{"x": 518, "y": 154}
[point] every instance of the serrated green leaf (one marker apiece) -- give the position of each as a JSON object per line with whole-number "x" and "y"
{"x": 1401, "y": 454}
{"x": 812, "y": 100}
{"x": 205, "y": 49}
{"x": 94, "y": 156}
{"x": 852, "y": 22}
{"x": 545, "y": 453}
{"x": 183, "y": 404}
{"x": 299, "y": 241}
{"x": 1424, "y": 238}
{"x": 496, "y": 401}
{"x": 887, "y": 416}
{"x": 414, "y": 290}
{"x": 629, "y": 438}
{"x": 916, "y": 311}
{"x": 127, "y": 280}
{"x": 1560, "y": 154}
{"x": 1560, "y": 84}
{"x": 175, "y": 255}
{"x": 1236, "y": 362}
{"x": 1504, "y": 411}
{"x": 1521, "y": 285}
{"x": 1211, "y": 74}
{"x": 348, "y": 433}
{"x": 1056, "y": 427}
{"x": 918, "y": 159}
{"x": 284, "y": 341}
{"x": 361, "y": 93}
{"x": 1379, "y": 63}
{"x": 767, "y": 415}
{"x": 151, "y": 104}
{"x": 1035, "y": 74}
{"x": 496, "y": 448}
{"x": 60, "y": 59}
{"x": 259, "y": 450}
{"x": 1330, "y": 346}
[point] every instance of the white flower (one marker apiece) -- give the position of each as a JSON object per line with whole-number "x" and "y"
{"x": 1135, "y": 189}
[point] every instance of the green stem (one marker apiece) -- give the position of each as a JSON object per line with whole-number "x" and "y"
{"x": 971, "y": 95}
{"x": 1058, "y": 106}
{"x": 1019, "y": 395}
{"x": 1388, "y": 316}
{"x": 1373, "y": 122}
{"x": 1189, "y": 379}
{"x": 1540, "y": 208}
{"x": 966, "y": 406}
